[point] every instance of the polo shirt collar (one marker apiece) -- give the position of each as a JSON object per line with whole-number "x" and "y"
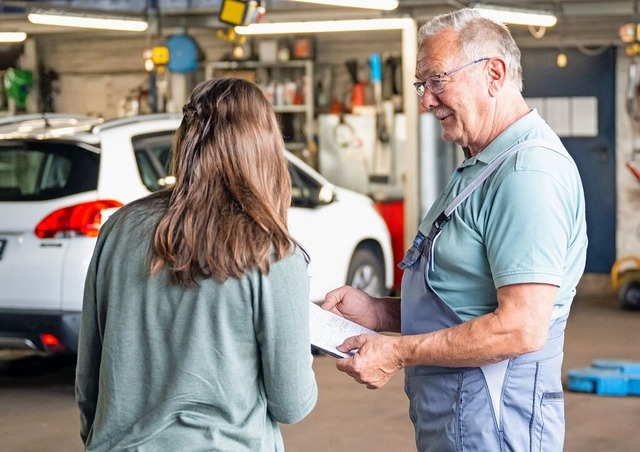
{"x": 510, "y": 136}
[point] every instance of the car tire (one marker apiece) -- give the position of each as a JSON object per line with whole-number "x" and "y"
{"x": 366, "y": 272}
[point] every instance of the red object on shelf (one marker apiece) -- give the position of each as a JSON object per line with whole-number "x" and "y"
{"x": 393, "y": 214}
{"x": 358, "y": 96}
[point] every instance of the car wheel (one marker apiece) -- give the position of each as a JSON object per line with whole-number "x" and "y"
{"x": 366, "y": 272}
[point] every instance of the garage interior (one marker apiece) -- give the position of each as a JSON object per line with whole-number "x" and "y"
{"x": 103, "y": 73}
{"x": 581, "y": 73}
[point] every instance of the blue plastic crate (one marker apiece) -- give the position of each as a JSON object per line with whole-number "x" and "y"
{"x": 622, "y": 365}
{"x": 607, "y": 377}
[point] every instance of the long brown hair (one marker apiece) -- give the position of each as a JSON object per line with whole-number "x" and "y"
{"x": 227, "y": 211}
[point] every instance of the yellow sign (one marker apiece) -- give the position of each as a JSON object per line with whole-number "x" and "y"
{"x": 160, "y": 56}
{"x": 233, "y": 12}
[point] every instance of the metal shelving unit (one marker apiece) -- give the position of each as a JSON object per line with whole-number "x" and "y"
{"x": 297, "y": 120}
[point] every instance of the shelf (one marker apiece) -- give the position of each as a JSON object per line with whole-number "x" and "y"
{"x": 296, "y": 120}
{"x": 290, "y": 108}
{"x": 260, "y": 64}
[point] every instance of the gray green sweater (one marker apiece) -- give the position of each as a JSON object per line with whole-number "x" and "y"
{"x": 209, "y": 368}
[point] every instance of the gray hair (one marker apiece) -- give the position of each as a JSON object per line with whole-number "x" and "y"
{"x": 477, "y": 34}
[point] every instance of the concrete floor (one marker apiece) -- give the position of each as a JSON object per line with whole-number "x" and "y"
{"x": 38, "y": 413}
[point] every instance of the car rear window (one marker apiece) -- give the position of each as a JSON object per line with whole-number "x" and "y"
{"x": 42, "y": 170}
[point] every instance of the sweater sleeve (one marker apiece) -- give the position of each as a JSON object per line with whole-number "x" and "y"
{"x": 282, "y": 326}
{"x": 89, "y": 344}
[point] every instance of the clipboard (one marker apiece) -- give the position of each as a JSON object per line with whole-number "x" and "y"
{"x": 329, "y": 330}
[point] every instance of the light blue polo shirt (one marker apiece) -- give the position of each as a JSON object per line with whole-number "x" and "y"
{"x": 524, "y": 224}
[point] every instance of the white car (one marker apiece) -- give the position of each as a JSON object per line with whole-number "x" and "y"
{"x": 61, "y": 176}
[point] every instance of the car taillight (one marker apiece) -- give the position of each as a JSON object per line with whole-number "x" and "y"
{"x": 80, "y": 219}
{"x": 52, "y": 343}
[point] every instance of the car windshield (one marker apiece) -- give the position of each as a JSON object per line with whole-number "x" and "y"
{"x": 304, "y": 189}
{"x": 153, "y": 156}
{"x": 41, "y": 170}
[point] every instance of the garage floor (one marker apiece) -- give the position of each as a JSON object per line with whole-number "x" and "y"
{"x": 38, "y": 413}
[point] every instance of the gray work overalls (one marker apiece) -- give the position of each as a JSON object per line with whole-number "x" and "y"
{"x": 513, "y": 405}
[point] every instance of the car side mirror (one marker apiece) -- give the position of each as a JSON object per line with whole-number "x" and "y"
{"x": 312, "y": 197}
{"x": 167, "y": 181}
{"x": 326, "y": 195}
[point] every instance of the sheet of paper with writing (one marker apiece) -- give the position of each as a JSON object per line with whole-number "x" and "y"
{"x": 329, "y": 330}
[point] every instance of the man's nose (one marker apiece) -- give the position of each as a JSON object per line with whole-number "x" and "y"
{"x": 429, "y": 100}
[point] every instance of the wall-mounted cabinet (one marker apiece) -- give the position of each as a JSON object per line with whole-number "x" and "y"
{"x": 289, "y": 88}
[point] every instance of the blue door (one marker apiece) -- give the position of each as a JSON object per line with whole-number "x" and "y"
{"x": 585, "y": 75}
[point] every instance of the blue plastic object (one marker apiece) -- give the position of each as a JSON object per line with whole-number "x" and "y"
{"x": 607, "y": 377}
{"x": 183, "y": 53}
{"x": 376, "y": 67}
{"x": 625, "y": 366}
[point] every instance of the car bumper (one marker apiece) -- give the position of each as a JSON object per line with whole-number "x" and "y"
{"x": 43, "y": 331}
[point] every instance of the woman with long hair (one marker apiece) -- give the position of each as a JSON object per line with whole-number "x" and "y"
{"x": 195, "y": 329}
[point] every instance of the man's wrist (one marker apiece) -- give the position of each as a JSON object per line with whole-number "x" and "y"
{"x": 403, "y": 351}
{"x": 389, "y": 314}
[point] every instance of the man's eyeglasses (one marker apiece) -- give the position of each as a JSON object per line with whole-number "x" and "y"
{"x": 436, "y": 83}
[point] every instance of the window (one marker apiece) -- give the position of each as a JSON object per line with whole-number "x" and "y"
{"x": 153, "y": 155}
{"x": 305, "y": 190}
{"x": 41, "y": 170}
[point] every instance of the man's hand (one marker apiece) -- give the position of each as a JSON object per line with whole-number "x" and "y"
{"x": 377, "y": 360}
{"x": 354, "y": 305}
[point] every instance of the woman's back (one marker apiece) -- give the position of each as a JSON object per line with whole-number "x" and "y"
{"x": 173, "y": 356}
{"x": 198, "y": 368}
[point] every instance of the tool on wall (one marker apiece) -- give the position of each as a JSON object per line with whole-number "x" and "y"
{"x": 382, "y": 154}
{"x": 392, "y": 80}
{"x": 358, "y": 93}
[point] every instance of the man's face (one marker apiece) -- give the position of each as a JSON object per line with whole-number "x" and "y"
{"x": 460, "y": 107}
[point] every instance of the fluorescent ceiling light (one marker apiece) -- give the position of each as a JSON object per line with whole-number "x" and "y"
{"x": 325, "y": 26}
{"x": 84, "y": 21}
{"x": 517, "y": 16}
{"x": 369, "y": 4}
{"x": 8, "y": 36}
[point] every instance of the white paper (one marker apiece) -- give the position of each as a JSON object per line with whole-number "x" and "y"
{"x": 539, "y": 104}
{"x": 558, "y": 115}
{"x": 584, "y": 116}
{"x": 329, "y": 330}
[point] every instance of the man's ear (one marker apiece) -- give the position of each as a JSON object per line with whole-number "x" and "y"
{"x": 497, "y": 73}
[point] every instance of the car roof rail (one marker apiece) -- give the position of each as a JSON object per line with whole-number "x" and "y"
{"x": 43, "y": 116}
{"x": 46, "y": 126}
{"x": 110, "y": 124}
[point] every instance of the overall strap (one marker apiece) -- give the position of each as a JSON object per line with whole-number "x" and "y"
{"x": 445, "y": 216}
{"x": 475, "y": 183}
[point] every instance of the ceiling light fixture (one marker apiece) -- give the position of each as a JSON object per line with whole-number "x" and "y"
{"x": 518, "y": 16}
{"x": 386, "y": 5}
{"x": 86, "y": 21}
{"x": 325, "y": 26}
{"x": 17, "y": 36}
{"x": 561, "y": 59}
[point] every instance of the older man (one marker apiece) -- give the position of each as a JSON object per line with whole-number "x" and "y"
{"x": 490, "y": 278}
